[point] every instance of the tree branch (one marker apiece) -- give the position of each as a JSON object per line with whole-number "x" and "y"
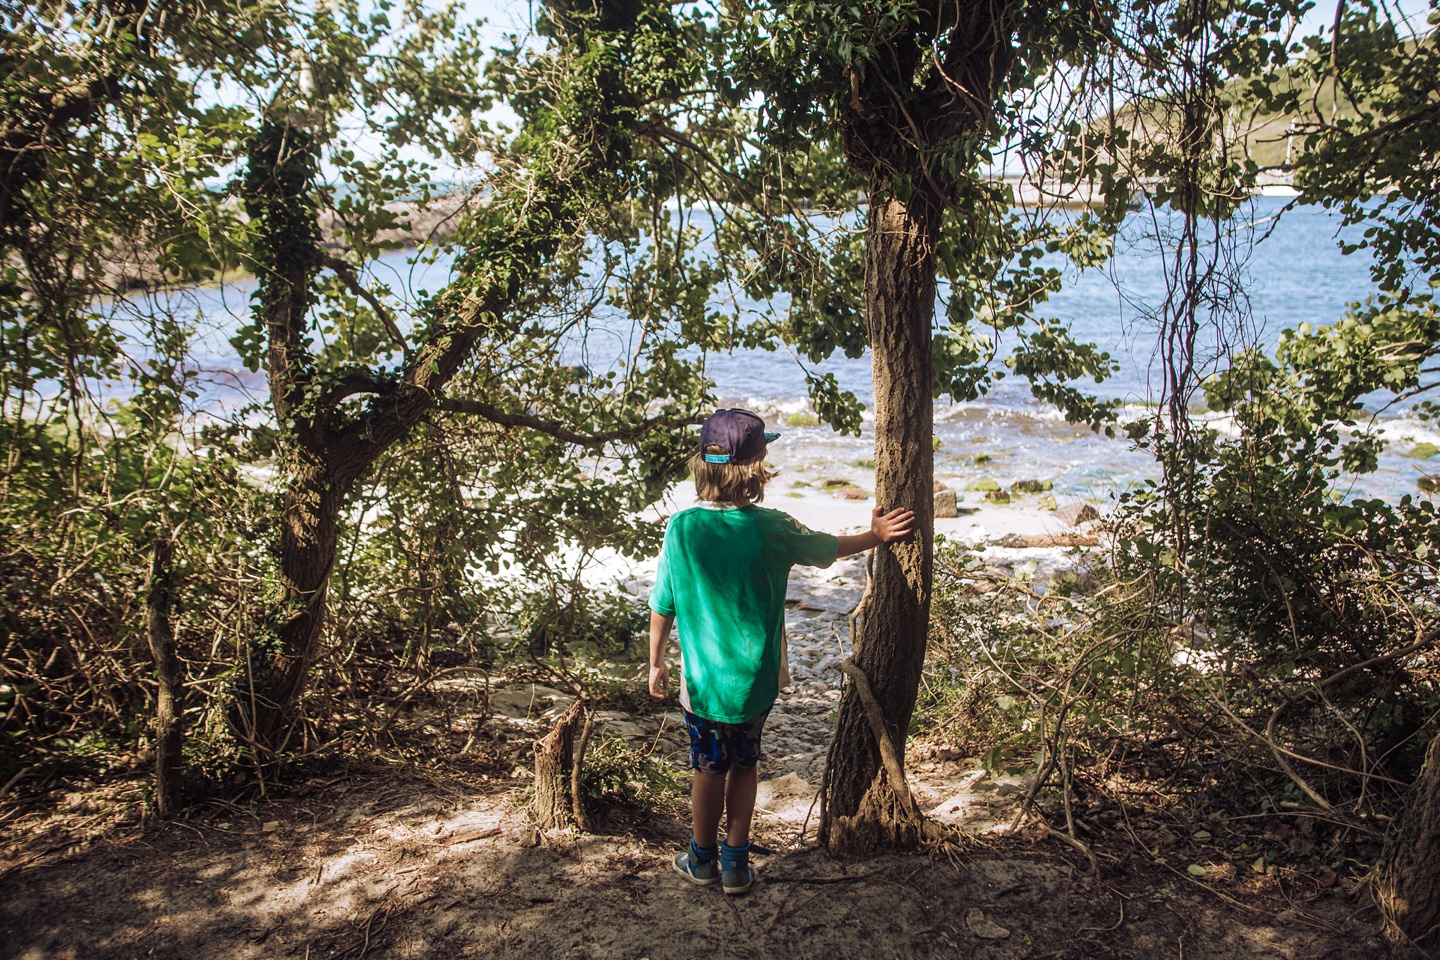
{"x": 345, "y": 272}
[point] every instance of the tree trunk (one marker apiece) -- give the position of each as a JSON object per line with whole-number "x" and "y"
{"x": 169, "y": 673}
{"x": 861, "y": 811}
{"x": 559, "y": 758}
{"x": 282, "y": 657}
{"x": 1414, "y": 903}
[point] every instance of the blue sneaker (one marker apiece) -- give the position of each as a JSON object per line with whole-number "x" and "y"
{"x": 696, "y": 868}
{"x": 736, "y": 874}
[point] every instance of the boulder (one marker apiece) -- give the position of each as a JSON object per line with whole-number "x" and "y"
{"x": 1011, "y": 541}
{"x": 851, "y": 493}
{"x": 1423, "y": 451}
{"x": 1075, "y": 514}
{"x": 983, "y": 485}
{"x": 1031, "y": 486}
{"x": 1061, "y": 540}
{"x": 946, "y": 506}
{"x": 998, "y": 496}
{"x": 1046, "y": 502}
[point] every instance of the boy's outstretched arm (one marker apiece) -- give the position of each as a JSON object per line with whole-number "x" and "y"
{"x": 884, "y": 527}
{"x": 659, "y": 640}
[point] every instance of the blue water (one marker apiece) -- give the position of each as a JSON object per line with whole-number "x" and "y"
{"x": 1295, "y": 274}
{"x": 1292, "y": 272}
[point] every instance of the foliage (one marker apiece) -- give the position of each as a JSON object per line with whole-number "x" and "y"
{"x": 618, "y": 775}
{"x": 678, "y": 185}
{"x": 76, "y": 666}
{"x": 1134, "y": 719}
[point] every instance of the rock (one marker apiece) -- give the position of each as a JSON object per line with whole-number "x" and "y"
{"x": 936, "y": 443}
{"x": 852, "y": 493}
{"x": 982, "y": 926}
{"x": 270, "y": 826}
{"x": 522, "y": 701}
{"x": 982, "y": 458}
{"x": 629, "y": 729}
{"x": 998, "y": 496}
{"x": 835, "y": 482}
{"x": 946, "y": 506}
{"x": 1046, "y": 502}
{"x": 1429, "y": 483}
{"x": 802, "y": 420}
{"x": 1423, "y": 451}
{"x": 1060, "y": 540}
{"x": 1010, "y": 541}
{"x": 1077, "y": 513}
{"x": 983, "y": 485}
{"x": 771, "y": 793}
{"x": 938, "y": 486}
{"x": 1031, "y": 486}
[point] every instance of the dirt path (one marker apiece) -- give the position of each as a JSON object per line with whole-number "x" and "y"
{"x": 396, "y": 866}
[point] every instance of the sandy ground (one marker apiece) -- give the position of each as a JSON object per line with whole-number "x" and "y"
{"x": 390, "y": 864}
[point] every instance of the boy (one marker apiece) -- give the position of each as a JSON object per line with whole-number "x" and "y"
{"x": 723, "y": 573}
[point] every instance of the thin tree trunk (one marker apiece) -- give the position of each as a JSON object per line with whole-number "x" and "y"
{"x": 862, "y": 810}
{"x": 169, "y": 672}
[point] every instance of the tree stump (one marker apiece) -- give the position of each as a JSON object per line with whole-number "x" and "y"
{"x": 559, "y": 760}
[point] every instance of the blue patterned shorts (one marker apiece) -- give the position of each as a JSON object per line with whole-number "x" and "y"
{"x": 714, "y": 745}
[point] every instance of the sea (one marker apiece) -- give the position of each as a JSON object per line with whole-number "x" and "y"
{"x": 1290, "y": 270}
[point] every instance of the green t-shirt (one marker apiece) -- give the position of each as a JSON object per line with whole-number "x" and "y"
{"x": 723, "y": 572}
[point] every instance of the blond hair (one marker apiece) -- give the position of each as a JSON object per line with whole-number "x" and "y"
{"x": 738, "y": 483}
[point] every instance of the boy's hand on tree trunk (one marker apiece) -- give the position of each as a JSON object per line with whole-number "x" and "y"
{"x": 891, "y": 526}
{"x": 884, "y": 528}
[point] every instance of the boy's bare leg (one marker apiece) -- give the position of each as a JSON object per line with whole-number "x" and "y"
{"x": 740, "y": 788}
{"x": 707, "y": 802}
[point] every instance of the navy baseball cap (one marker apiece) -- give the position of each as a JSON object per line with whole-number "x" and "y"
{"x": 740, "y": 433}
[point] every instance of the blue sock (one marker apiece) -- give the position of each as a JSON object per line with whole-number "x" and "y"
{"x": 702, "y": 854}
{"x": 732, "y": 857}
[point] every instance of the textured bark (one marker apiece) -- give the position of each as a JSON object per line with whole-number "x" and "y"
{"x": 170, "y": 674}
{"x": 1416, "y": 905}
{"x": 280, "y": 669}
{"x": 895, "y": 115}
{"x": 862, "y": 811}
{"x": 559, "y": 757}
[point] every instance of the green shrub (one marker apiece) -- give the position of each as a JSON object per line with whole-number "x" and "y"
{"x": 616, "y": 774}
